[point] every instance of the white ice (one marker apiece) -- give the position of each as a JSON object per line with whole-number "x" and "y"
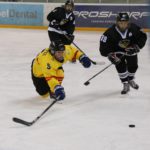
{"x": 93, "y": 117}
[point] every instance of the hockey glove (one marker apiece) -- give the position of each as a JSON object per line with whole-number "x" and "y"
{"x": 85, "y": 61}
{"x": 114, "y": 59}
{"x": 70, "y": 38}
{"x": 131, "y": 50}
{"x": 54, "y": 23}
{"x": 59, "y": 92}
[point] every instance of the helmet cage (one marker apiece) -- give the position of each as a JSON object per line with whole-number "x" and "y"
{"x": 56, "y": 46}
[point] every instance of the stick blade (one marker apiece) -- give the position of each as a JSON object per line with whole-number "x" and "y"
{"x": 87, "y": 83}
{"x": 17, "y": 120}
{"x": 93, "y": 62}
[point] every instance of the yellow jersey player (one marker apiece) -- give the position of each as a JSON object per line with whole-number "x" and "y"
{"x": 47, "y": 70}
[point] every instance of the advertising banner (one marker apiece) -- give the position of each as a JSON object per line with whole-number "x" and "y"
{"x": 103, "y": 16}
{"x": 18, "y": 14}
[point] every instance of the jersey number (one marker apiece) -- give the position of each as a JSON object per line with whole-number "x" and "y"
{"x": 103, "y": 38}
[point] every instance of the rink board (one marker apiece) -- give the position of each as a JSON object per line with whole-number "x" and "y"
{"x": 88, "y": 16}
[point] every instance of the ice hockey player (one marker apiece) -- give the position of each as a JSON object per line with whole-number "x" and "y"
{"x": 128, "y": 38}
{"x": 62, "y": 23}
{"x": 47, "y": 71}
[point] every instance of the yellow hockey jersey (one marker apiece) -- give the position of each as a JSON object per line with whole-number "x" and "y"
{"x": 45, "y": 65}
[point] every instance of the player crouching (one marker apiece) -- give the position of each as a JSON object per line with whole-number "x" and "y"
{"x": 47, "y": 71}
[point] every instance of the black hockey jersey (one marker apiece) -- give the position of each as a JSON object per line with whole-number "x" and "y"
{"x": 115, "y": 41}
{"x": 59, "y": 19}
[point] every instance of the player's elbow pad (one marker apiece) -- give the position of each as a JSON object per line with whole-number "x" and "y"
{"x": 103, "y": 51}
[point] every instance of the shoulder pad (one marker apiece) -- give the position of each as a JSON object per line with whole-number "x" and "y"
{"x": 134, "y": 26}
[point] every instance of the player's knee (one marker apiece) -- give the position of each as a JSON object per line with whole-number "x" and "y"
{"x": 42, "y": 92}
{"x": 41, "y": 85}
{"x": 133, "y": 68}
{"x": 45, "y": 95}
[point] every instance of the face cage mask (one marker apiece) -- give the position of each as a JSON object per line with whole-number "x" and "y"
{"x": 69, "y": 8}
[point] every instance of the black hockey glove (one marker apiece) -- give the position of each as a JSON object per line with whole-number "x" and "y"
{"x": 114, "y": 59}
{"x": 70, "y": 38}
{"x": 132, "y": 49}
{"x": 55, "y": 23}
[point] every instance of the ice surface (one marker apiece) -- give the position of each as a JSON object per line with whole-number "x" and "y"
{"x": 93, "y": 117}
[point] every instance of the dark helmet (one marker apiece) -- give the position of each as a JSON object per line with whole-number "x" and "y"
{"x": 123, "y": 16}
{"x": 56, "y": 46}
{"x": 69, "y": 3}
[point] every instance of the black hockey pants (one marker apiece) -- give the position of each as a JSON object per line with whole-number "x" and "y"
{"x": 127, "y": 68}
{"x": 40, "y": 84}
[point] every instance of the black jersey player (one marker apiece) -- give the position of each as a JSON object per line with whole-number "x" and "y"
{"x": 121, "y": 43}
{"x": 62, "y": 23}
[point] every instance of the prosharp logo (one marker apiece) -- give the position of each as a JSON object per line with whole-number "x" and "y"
{"x": 107, "y": 14}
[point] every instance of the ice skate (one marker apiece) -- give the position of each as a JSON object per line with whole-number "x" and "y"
{"x": 126, "y": 88}
{"x": 133, "y": 84}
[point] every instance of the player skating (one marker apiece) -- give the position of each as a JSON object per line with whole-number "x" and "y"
{"x": 127, "y": 38}
{"x": 62, "y": 23}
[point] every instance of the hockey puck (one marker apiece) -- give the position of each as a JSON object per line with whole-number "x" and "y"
{"x": 131, "y": 125}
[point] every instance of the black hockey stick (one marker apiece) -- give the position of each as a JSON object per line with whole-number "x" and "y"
{"x": 93, "y": 62}
{"x": 87, "y": 82}
{"x": 17, "y": 120}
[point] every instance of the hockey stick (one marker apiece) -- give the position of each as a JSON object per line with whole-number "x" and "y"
{"x": 93, "y": 62}
{"x": 17, "y": 120}
{"x": 87, "y": 82}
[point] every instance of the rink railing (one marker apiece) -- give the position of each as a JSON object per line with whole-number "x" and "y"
{"x": 88, "y": 16}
